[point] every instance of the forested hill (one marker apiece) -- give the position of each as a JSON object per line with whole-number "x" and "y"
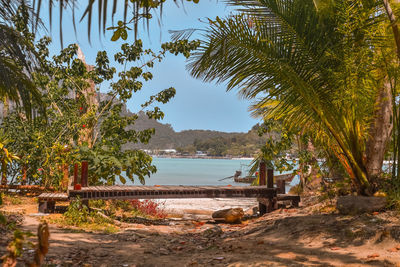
{"x": 189, "y": 141}
{"x": 166, "y": 138}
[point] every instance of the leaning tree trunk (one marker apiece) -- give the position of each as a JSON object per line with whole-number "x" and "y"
{"x": 314, "y": 180}
{"x": 379, "y": 134}
{"x": 90, "y": 95}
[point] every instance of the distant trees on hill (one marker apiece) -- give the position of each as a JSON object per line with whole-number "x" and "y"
{"x": 213, "y": 143}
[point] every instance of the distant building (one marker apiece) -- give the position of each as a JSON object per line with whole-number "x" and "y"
{"x": 201, "y": 153}
{"x": 168, "y": 151}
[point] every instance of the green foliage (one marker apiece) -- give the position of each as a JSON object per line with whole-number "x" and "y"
{"x": 80, "y": 123}
{"x": 18, "y": 57}
{"x": 18, "y": 242}
{"x": 316, "y": 70}
{"x": 79, "y": 214}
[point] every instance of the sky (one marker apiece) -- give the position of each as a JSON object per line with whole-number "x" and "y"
{"x": 197, "y": 105}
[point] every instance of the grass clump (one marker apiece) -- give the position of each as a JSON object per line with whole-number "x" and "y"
{"x": 8, "y": 199}
{"x": 78, "y": 215}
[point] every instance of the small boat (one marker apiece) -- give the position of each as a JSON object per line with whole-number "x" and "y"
{"x": 250, "y": 179}
{"x": 245, "y": 180}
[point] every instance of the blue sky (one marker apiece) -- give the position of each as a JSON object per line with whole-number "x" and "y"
{"x": 197, "y": 105}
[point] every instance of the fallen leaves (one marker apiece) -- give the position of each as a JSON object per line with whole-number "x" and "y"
{"x": 198, "y": 224}
{"x": 394, "y": 249}
{"x": 372, "y": 256}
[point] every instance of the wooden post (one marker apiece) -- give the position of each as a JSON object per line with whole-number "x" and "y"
{"x": 84, "y": 173}
{"x": 262, "y": 173}
{"x": 262, "y": 207}
{"x": 281, "y": 186}
{"x": 272, "y": 202}
{"x": 75, "y": 174}
{"x": 84, "y": 180}
{"x": 270, "y": 178}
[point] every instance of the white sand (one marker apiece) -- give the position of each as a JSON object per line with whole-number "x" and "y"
{"x": 206, "y": 205}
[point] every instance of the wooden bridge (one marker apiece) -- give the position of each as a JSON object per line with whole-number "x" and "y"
{"x": 153, "y": 192}
{"x": 267, "y": 195}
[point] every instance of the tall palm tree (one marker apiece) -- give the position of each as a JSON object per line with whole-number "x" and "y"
{"x": 17, "y": 56}
{"x": 313, "y": 68}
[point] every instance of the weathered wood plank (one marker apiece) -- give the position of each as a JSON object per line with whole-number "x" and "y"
{"x": 151, "y": 192}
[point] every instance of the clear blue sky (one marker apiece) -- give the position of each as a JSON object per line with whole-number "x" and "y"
{"x": 197, "y": 105}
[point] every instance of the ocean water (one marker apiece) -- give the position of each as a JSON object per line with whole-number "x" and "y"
{"x": 183, "y": 171}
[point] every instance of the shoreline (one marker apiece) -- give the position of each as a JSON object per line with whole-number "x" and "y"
{"x": 199, "y": 157}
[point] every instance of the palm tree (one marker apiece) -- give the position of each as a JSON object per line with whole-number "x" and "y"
{"x": 17, "y": 56}
{"x": 320, "y": 69}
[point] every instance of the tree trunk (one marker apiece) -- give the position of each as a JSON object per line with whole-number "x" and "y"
{"x": 379, "y": 133}
{"x": 90, "y": 95}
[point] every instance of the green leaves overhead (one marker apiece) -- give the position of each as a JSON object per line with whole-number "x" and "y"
{"x": 18, "y": 57}
{"x": 314, "y": 68}
{"x": 84, "y": 124}
{"x": 138, "y": 10}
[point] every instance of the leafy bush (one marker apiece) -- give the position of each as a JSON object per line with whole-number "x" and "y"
{"x": 148, "y": 208}
{"x": 79, "y": 214}
{"x": 76, "y": 214}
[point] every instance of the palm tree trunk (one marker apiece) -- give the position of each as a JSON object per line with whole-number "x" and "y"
{"x": 380, "y": 131}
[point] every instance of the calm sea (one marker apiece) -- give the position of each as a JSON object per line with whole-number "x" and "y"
{"x": 177, "y": 171}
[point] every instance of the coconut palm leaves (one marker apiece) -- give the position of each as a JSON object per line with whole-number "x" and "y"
{"x": 17, "y": 58}
{"x": 138, "y": 9}
{"x": 315, "y": 67}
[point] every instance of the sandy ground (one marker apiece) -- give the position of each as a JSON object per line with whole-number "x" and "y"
{"x": 202, "y": 208}
{"x": 286, "y": 237}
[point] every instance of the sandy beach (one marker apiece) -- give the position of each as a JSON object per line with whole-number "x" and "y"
{"x": 205, "y": 206}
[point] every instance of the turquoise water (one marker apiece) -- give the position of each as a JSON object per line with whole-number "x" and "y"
{"x": 178, "y": 171}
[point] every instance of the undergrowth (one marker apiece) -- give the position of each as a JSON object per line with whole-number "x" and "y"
{"x": 10, "y": 199}
{"x": 79, "y": 216}
{"x": 148, "y": 208}
{"x": 102, "y": 214}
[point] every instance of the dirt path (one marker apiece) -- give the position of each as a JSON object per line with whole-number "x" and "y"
{"x": 283, "y": 238}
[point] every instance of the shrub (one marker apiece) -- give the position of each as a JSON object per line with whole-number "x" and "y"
{"x": 148, "y": 208}
{"x": 76, "y": 214}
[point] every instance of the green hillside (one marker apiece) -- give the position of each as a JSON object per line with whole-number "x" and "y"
{"x": 214, "y": 143}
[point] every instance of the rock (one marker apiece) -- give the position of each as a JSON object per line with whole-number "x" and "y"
{"x": 360, "y": 204}
{"x": 229, "y": 215}
{"x": 213, "y": 232}
{"x": 395, "y": 233}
